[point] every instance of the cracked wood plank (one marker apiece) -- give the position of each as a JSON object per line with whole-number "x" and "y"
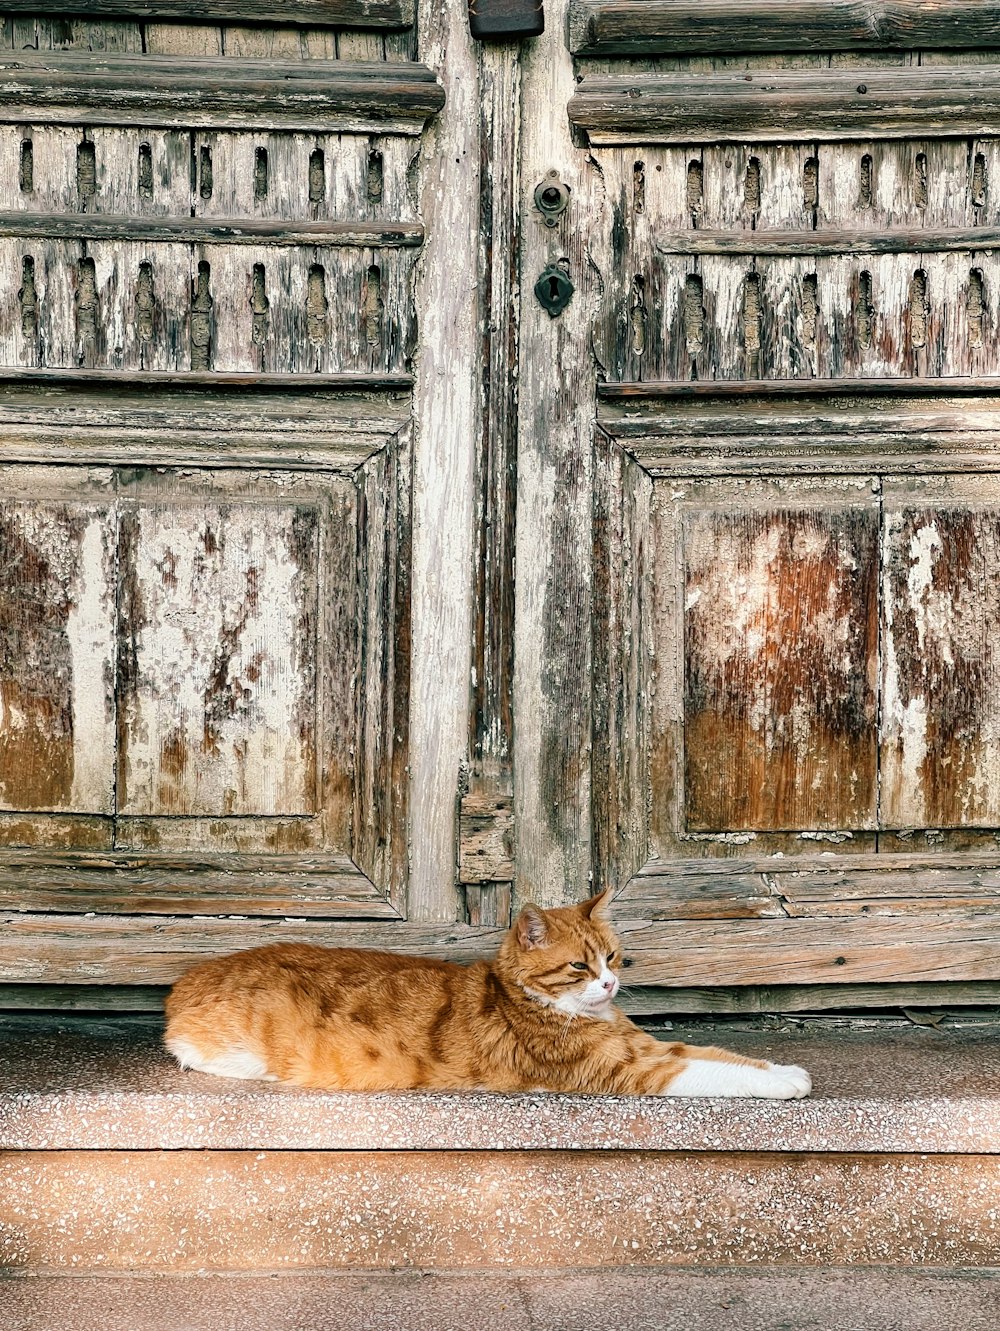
{"x": 651, "y": 27}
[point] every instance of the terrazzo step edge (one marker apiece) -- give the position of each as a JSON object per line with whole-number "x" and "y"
{"x": 253, "y": 1211}
{"x": 78, "y": 1084}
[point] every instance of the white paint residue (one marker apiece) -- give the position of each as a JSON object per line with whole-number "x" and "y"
{"x": 923, "y": 543}
{"x": 221, "y": 693}
{"x": 90, "y": 630}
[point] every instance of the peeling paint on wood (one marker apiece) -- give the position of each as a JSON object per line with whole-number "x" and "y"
{"x": 940, "y": 607}
{"x": 57, "y": 714}
{"x": 217, "y": 688}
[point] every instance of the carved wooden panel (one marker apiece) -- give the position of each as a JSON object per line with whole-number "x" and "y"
{"x": 204, "y": 663}
{"x": 796, "y": 261}
{"x": 821, "y": 648}
{"x": 135, "y": 250}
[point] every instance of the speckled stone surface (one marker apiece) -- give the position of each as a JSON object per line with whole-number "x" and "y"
{"x": 177, "y": 1211}
{"x": 81, "y": 1083}
{"x": 609, "y": 1300}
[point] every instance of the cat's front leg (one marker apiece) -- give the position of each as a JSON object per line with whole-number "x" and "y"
{"x": 652, "y": 1067}
{"x": 713, "y": 1072}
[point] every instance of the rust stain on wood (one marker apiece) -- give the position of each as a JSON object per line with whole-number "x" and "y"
{"x": 780, "y": 650}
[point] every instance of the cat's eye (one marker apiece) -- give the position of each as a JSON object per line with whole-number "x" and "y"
{"x": 611, "y": 957}
{"x": 579, "y": 965}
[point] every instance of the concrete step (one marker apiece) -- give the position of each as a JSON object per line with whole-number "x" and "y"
{"x": 554, "y": 1300}
{"x": 111, "y": 1159}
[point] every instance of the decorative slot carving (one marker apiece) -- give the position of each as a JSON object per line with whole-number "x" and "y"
{"x": 317, "y": 176}
{"x": 372, "y": 307}
{"x": 201, "y": 319}
{"x": 26, "y": 171}
{"x": 866, "y": 195}
{"x": 260, "y": 174}
{"x": 980, "y": 181}
{"x": 145, "y": 171}
{"x": 918, "y": 308}
{"x": 810, "y": 308}
{"x": 145, "y": 302}
{"x": 86, "y": 170}
{"x": 375, "y": 176}
{"x": 87, "y": 312}
{"x": 974, "y": 308}
{"x": 751, "y": 189}
{"x": 205, "y": 172}
{"x": 259, "y": 304}
{"x": 317, "y": 305}
{"x": 864, "y": 311}
{"x": 28, "y": 298}
{"x": 637, "y": 315}
{"x": 639, "y": 187}
{"x": 695, "y": 188}
{"x": 752, "y": 321}
{"x": 810, "y": 187}
{"x": 920, "y": 180}
{"x": 694, "y": 314}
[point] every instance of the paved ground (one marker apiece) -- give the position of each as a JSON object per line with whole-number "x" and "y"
{"x": 640, "y": 1300}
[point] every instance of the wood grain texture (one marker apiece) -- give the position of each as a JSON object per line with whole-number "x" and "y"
{"x": 157, "y": 949}
{"x": 446, "y": 406}
{"x": 190, "y": 231}
{"x": 79, "y": 88}
{"x": 347, "y": 13}
{"x": 941, "y": 611}
{"x": 189, "y": 883}
{"x": 552, "y": 772}
{"x": 623, "y": 650}
{"x": 650, "y": 27}
{"x": 779, "y": 104}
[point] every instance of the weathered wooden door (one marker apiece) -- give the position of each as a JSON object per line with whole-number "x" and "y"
{"x": 435, "y": 474}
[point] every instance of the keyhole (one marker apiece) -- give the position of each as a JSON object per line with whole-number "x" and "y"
{"x": 554, "y": 285}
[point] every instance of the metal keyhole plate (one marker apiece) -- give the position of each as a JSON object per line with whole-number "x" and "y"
{"x": 554, "y": 289}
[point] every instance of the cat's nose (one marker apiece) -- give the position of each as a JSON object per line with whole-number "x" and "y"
{"x": 610, "y": 984}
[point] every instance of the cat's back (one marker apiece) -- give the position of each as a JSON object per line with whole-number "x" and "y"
{"x": 301, "y": 969}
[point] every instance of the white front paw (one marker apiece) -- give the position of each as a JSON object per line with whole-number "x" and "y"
{"x": 781, "y": 1082}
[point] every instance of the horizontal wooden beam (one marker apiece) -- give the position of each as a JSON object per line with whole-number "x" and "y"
{"x": 201, "y": 231}
{"x": 92, "y": 88}
{"x": 124, "y": 882}
{"x": 767, "y": 106}
{"x": 706, "y": 389}
{"x": 684, "y": 27}
{"x": 348, "y": 383}
{"x": 818, "y": 244}
{"x": 156, "y": 949}
{"x": 337, "y": 13}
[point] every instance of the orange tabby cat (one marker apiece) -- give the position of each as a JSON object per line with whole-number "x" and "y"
{"x": 539, "y": 1016}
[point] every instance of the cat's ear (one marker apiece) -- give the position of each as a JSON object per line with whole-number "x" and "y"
{"x": 532, "y": 929}
{"x": 596, "y": 905}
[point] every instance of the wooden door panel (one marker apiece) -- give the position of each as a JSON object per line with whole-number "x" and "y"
{"x": 779, "y": 669}
{"x": 57, "y": 712}
{"x": 218, "y": 688}
{"x": 941, "y": 662}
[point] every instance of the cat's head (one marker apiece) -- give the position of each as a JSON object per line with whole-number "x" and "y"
{"x": 567, "y": 958}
